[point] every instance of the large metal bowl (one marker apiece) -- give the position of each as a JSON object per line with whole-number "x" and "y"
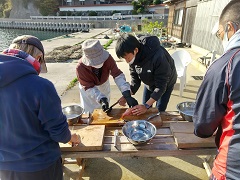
{"x": 139, "y": 131}
{"x": 73, "y": 113}
{"x": 186, "y": 110}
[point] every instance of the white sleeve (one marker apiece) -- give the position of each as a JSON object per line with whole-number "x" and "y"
{"x": 95, "y": 93}
{"x": 121, "y": 82}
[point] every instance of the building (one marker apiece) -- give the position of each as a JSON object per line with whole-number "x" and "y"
{"x": 191, "y": 21}
{"x": 93, "y": 2}
{"x": 107, "y": 7}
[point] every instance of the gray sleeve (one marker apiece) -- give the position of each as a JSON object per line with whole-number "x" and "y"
{"x": 121, "y": 83}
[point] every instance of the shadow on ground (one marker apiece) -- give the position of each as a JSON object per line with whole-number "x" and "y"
{"x": 160, "y": 168}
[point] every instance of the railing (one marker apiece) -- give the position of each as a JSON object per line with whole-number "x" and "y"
{"x": 123, "y": 17}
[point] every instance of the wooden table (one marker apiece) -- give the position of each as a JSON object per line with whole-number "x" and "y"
{"x": 163, "y": 144}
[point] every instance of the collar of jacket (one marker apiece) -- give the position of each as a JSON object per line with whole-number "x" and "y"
{"x": 234, "y": 41}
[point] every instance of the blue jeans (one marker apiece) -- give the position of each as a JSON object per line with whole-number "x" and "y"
{"x": 161, "y": 103}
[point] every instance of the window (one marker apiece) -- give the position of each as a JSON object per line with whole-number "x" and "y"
{"x": 82, "y": 2}
{"x": 178, "y": 16}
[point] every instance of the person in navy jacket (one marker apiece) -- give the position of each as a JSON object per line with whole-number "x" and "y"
{"x": 31, "y": 119}
{"x": 218, "y": 99}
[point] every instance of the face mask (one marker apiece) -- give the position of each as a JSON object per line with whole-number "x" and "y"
{"x": 225, "y": 40}
{"x": 98, "y": 66}
{"x": 131, "y": 62}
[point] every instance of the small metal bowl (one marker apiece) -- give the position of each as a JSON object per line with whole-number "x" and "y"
{"x": 139, "y": 131}
{"x": 73, "y": 113}
{"x": 186, "y": 110}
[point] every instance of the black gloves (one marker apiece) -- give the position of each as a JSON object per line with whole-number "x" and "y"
{"x": 130, "y": 100}
{"x": 104, "y": 103}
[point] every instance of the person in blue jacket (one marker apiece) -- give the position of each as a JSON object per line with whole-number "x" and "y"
{"x": 31, "y": 119}
{"x": 218, "y": 100}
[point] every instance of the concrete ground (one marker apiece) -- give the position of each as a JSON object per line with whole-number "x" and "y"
{"x": 163, "y": 168}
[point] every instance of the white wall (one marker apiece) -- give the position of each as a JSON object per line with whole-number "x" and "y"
{"x": 206, "y": 17}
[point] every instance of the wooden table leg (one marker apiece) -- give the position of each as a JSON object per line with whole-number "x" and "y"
{"x": 81, "y": 162}
{"x": 207, "y": 160}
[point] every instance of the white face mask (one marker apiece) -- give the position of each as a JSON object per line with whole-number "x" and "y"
{"x": 225, "y": 40}
{"x": 98, "y": 66}
{"x": 131, "y": 62}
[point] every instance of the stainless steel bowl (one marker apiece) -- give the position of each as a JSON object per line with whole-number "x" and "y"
{"x": 73, "y": 113}
{"x": 186, "y": 110}
{"x": 139, "y": 131}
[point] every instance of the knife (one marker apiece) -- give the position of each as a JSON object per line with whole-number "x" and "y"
{"x": 115, "y": 137}
{"x": 110, "y": 108}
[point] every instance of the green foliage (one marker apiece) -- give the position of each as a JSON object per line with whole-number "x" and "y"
{"x": 149, "y": 26}
{"x": 115, "y": 11}
{"x": 6, "y": 13}
{"x": 157, "y": 2}
{"x": 105, "y": 46}
{"x": 5, "y": 8}
{"x": 47, "y": 7}
{"x": 65, "y": 13}
{"x": 1, "y": 10}
{"x": 92, "y": 13}
{"x": 72, "y": 84}
{"x": 140, "y": 6}
{"x": 78, "y": 13}
{"x": 2, "y": 1}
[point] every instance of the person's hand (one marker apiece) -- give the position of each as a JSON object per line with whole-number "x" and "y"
{"x": 139, "y": 109}
{"x": 104, "y": 103}
{"x": 75, "y": 139}
{"x": 130, "y": 100}
{"x": 122, "y": 101}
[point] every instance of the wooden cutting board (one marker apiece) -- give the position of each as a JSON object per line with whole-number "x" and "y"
{"x": 91, "y": 138}
{"x": 185, "y": 138}
{"x": 113, "y": 118}
{"x": 182, "y": 127}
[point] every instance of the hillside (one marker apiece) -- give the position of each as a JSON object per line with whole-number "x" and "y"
{"x": 23, "y": 9}
{"x": 20, "y": 12}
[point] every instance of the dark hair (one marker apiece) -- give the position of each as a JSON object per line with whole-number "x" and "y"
{"x": 230, "y": 12}
{"x": 126, "y": 43}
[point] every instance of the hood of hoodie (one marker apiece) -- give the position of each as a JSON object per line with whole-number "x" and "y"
{"x": 13, "y": 68}
{"x": 234, "y": 41}
{"x": 149, "y": 45}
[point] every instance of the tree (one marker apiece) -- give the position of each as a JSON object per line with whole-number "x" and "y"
{"x": 92, "y": 13}
{"x": 141, "y": 6}
{"x": 5, "y": 8}
{"x": 157, "y": 2}
{"x": 47, "y": 7}
{"x": 150, "y": 27}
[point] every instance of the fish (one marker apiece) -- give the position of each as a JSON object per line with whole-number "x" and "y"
{"x": 128, "y": 112}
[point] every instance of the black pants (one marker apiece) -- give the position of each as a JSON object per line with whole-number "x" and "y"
{"x": 54, "y": 172}
{"x": 162, "y": 103}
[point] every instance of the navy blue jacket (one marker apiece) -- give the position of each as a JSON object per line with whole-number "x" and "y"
{"x": 31, "y": 118}
{"x": 218, "y": 107}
